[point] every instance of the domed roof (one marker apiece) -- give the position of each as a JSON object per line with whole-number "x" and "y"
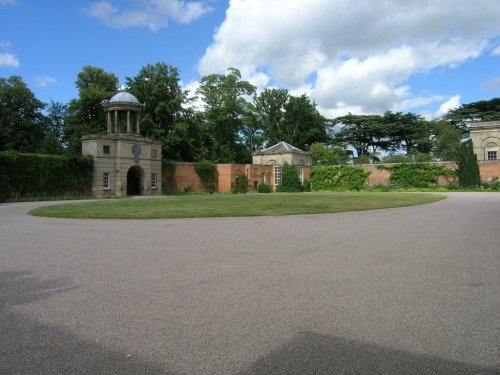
{"x": 124, "y": 97}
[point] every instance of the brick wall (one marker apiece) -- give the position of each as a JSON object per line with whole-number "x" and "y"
{"x": 490, "y": 170}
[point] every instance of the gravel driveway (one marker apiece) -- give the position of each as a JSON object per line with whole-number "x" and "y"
{"x": 398, "y": 291}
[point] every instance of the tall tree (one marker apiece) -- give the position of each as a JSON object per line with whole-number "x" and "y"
{"x": 158, "y": 88}
{"x": 55, "y": 120}
{"x": 87, "y": 114}
{"x": 21, "y": 117}
{"x": 408, "y": 131}
{"x": 367, "y": 134}
{"x": 468, "y": 169}
{"x": 269, "y": 114}
{"x": 225, "y": 101}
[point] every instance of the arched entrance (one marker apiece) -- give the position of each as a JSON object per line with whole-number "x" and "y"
{"x": 134, "y": 179}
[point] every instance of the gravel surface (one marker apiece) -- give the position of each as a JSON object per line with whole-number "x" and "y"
{"x": 398, "y": 291}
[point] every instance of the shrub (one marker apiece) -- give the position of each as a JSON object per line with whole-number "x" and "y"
{"x": 207, "y": 172}
{"x": 168, "y": 177}
{"x": 290, "y": 181}
{"x": 468, "y": 169}
{"x": 240, "y": 185}
{"x": 340, "y": 177}
{"x": 263, "y": 188}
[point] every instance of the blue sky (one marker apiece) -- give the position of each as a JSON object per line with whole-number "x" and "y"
{"x": 423, "y": 56}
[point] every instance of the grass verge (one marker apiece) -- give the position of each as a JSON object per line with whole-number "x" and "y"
{"x": 232, "y": 205}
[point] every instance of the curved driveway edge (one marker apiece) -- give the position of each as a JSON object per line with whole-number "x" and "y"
{"x": 406, "y": 290}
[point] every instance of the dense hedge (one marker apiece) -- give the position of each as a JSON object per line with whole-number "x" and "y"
{"x": 290, "y": 181}
{"x": 338, "y": 177}
{"x": 417, "y": 174}
{"x": 25, "y": 175}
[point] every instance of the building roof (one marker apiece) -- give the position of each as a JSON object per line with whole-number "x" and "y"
{"x": 280, "y": 148}
{"x": 125, "y": 98}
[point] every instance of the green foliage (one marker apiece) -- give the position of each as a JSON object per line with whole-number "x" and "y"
{"x": 468, "y": 169}
{"x": 87, "y": 114}
{"x": 264, "y": 188}
{"x": 21, "y": 118}
{"x": 24, "y": 175}
{"x": 168, "y": 177}
{"x": 491, "y": 185}
{"x": 240, "y": 185}
{"x": 328, "y": 155}
{"x": 408, "y": 175}
{"x": 483, "y": 110}
{"x": 290, "y": 181}
{"x": 412, "y": 158}
{"x": 447, "y": 140}
{"x": 306, "y": 185}
{"x": 225, "y": 108}
{"x": 207, "y": 171}
{"x": 337, "y": 178}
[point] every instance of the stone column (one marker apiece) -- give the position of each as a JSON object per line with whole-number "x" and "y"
{"x": 128, "y": 121}
{"x": 116, "y": 121}
{"x": 109, "y": 122}
{"x": 137, "y": 126}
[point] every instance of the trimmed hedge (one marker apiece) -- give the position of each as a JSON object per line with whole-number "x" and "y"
{"x": 338, "y": 177}
{"x": 25, "y": 175}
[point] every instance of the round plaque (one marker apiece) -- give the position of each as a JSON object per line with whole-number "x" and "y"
{"x": 136, "y": 150}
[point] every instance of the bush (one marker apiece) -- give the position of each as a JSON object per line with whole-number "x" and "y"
{"x": 29, "y": 175}
{"x": 263, "y": 188}
{"x": 207, "y": 171}
{"x": 168, "y": 177}
{"x": 290, "y": 181}
{"x": 240, "y": 185}
{"x": 468, "y": 169}
{"x": 340, "y": 177}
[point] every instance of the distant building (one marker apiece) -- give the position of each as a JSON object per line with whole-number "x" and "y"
{"x": 485, "y": 137}
{"x": 125, "y": 163}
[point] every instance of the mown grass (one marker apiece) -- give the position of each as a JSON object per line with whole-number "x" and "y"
{"x": 231, "y": 205}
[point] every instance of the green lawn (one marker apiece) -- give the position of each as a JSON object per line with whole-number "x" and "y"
{"x": 227, "y": 205}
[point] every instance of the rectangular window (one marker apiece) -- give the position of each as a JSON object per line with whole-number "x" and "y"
{"x": 301, "y": 174}
{"x": 106, "y": 150}
{"x": 154, "y": 153}
{"x": 105, "y": 180}
{"x": 492, "y": 155}
{"x": 277, "y": 175}
{"x": 154, "y": 180}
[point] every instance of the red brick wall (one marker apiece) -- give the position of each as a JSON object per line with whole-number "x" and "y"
{"x": 186, "y": 178}
{"x": 489, "y": 169}
{"x": 382, "y": 176}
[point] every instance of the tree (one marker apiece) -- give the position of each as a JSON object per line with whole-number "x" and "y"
{"x": 408, "y": 131}
{"x": 21, "y": 117}
{"x": 328, "y": 155}
{"x": 483, "y": 110}
{"x": 290, "y": 181}
{"x": 87, "y": 114}
{"x": 468, "y": 169}
{"x": 55, "y": 120}
{"x": 283, "y": 117}
{"x": 157, "y": 87}
{"x": 367, "y": 134}
{"x": 224, "y": 96}
{"x": 447, "y": 140}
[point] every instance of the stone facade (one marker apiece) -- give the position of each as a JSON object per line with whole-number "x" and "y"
{"x": 124, "y": 162}
{"x": 486, "y": 140}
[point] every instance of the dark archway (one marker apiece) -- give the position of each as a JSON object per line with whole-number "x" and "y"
{"x": 134, "y": 181}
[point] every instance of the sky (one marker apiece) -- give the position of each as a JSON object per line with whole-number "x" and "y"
{"x": 358, "y": 56}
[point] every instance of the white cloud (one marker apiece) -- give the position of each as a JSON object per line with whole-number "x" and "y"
{"x": 154, "y": 14}
{"x": 8, "y": 59}
{"x": 451, "y": 103}
{"x": 492, "y": 84}
{"x": 44, "y": 81}
{"x": 496, "y": 51}
{"x": 355, "y": 55}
